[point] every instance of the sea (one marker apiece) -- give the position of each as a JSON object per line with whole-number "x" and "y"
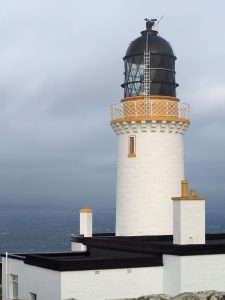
{"x": 26, "y": 230}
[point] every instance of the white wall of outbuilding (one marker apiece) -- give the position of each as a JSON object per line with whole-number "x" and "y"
{"x": 178, "y": 274}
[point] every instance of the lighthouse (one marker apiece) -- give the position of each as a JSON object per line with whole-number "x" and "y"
{"x": 160, "y": 245}
{"x": 150, "y": 123}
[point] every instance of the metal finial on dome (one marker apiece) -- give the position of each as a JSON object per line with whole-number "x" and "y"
{"x": 150, "y": 23}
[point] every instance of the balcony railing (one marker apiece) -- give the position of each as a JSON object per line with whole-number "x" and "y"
{"x": 149, "y": 108}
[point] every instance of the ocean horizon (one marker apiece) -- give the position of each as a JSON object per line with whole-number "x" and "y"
{"x": 49, "y": 229}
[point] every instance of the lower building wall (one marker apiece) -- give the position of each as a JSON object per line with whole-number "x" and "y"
{"x": 171, "y": 274}
{"x": 205, "y": 272}
{"x": 111, "y": 284}
{"x": 179, "y": 274}
{"x": 193, "y": 273}
{"x": 31, "y": 279}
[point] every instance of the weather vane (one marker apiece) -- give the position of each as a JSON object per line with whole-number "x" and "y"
{"x": 150, "y": 23}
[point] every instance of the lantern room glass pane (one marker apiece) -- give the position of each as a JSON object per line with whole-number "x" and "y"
{"x": 162, "y": 75}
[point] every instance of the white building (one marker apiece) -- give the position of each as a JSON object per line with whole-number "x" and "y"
{"x": 117, "y": 267}
{"x": 160, "y": 245}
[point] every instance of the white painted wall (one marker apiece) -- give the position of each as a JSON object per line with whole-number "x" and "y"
{"x": 179, "y": 274}
{"x": 83, "y": 285}
{"x": 78, "y": 247}
{"x": 112, "y": 284}
{"x": 188, "y": 222}
{"x": 193, "y": 273}
{"x": 146, "y": 183}
{"x": 43, "y": 282}
{"x": 204, "y": 272}
{"x": 171, "y": 274}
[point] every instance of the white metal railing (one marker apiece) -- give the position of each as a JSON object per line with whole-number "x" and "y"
{"x": 149, "y": 108}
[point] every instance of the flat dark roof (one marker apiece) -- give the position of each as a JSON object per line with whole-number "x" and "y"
{"x": 158, "y": 245}
{"x": 107, "y": 251}
{"x": 91, "y": 260}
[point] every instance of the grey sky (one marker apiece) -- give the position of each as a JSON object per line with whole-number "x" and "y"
{"x": 61, "y": 68}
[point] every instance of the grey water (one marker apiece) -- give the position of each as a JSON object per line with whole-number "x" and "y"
{"x": 46, "y": 229}
{"x": 49, "y": 230}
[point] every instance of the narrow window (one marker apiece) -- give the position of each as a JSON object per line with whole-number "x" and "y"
{"x": 13, "y": 286}
{"x": 132, "y": 146}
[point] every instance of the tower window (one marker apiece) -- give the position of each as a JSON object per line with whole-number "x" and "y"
{"x": 132, "y": 146}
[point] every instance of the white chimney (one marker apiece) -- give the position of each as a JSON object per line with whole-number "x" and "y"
{"x": 86, "y": 222}
{"x": 85, "y": 228}
{"x": 188, "y": 217}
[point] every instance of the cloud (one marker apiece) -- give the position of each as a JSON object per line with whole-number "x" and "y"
{"x": 61, "y": 69}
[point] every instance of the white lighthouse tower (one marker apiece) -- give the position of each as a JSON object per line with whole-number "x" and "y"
{"x": 150, "y": 123}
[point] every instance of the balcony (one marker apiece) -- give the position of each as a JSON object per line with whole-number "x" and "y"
{"x": 150, "y": 110}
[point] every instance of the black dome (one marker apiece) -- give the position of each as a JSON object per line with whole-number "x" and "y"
{"x": 156, "y": 45}
{"x": 162, "y": 65}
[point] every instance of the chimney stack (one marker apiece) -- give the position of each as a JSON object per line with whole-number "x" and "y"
{"x": 86, "y": 222}
{"x": 188, "y": 217}
{"x": 85, "y": 229}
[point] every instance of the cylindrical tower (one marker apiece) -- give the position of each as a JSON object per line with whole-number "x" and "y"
{"x": 150, "y": 123}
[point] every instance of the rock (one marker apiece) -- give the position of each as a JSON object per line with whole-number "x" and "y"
{"x": 155, "y": 297}
{"x": 206, "y": 295}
